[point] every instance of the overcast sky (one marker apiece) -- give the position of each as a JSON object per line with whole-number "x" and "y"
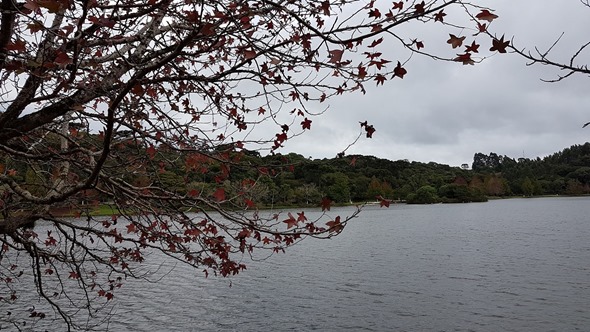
{"x": 446, "y": 112}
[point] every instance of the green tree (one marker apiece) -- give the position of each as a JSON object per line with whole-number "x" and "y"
{"x": 307, "y": 194}
{"x": 424, "y": 195}
{"x": 336, "y": 186}
{"x": 528, "y": 189}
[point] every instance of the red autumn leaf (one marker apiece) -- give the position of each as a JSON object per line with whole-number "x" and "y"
{"x": 35, "y": 27}
{"x": 131, "y": 228}
{"x": 419, "y": 44}
{"x": 74, "y": 275}
{"x": 399, "y": 71}
{"x": 380, "y": 79}
{"x": 291, "y": 222}
{"x": 294, "y": 95}
{"x": 301, "y": 216}
{"x": 383, "y": 202}
{"x": 18, "y": 45}
{"x": 485, "y": 15}
{"x": 439, "y": 16}
{"x": 472, "y": 48}
{"x": 398, "y": 5}
{"x": 102, "y": 21}
{"x": 151, "y": 151}
{"x": 244, "y": 233}
{"x": 420, "y": 8}
{"x": 219, "y": 194}
{"x": 192, "y": 232}
{"x": 325, "y": 6}
{"x": 50, "y": 241}
{"x": 249, "y": 54}
{"x": 193, "y": 193}
{"x": 375, "y": 13}
{"x": 370, "y": 130}
{"x": 31, "y": 5}
{"x": 362, "y": 72}
{"x": 306, "y": 124}
{"x": 499, "y": 45}
{"x": 376, "y": 42}
{"x": 379, "y": 64}
{"x": 465, "y": 59}
{"x": 390, "y": 15}
{"x": 335, "y": 56}
{"x": 11, "y": 172}
{"x": 334, "y": 225}
{"x": 137, "y": 89}
{"x": 249, "y": 203}
{"x": 208, "y": 29}
{"x": 51, "y": 5}
{"x": 455, "y": 41}
{"x": 481, "y": 27}
{"x": 326, "y": 202}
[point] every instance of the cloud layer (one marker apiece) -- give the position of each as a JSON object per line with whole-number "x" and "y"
{"x": 446, "y": 112}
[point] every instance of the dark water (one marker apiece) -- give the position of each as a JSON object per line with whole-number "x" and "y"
{"x": 508, "y": 265}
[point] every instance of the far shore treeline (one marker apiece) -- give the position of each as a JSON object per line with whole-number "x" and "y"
{"x": 294, "y": 180}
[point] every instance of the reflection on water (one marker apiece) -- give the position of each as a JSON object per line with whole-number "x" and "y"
{"x": 509, "y": 265}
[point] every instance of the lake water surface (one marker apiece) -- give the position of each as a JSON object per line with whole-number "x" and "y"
{"x": 505, "y": 265}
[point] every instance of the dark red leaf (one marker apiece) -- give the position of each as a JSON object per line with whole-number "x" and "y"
{"x": 334, "y": 225}
{"x": 481, "y": 27}
{"x": 399, "y": 71}
{"x": 472, "y": 48}
{"x": 465, "y": 59}
{"x": 219, "y": 195}
{"x": 291, "y": 221}
{"x": 306, "y": 124}
{"x": 380, "y": 79}
{"x": 376, "y": 42}
{"x": 370, "y": 130}
{"x": 18, "y": 45}
{"x": 455, "y": 41}
{"x": 151, "y": 151}
{"x": 439, "y": 16}
{"x": 375, "y": 13}
{"x": 335, "y": 56}
{"x": 326, "y": 202}
{"x": 485, "y": 15}
{"x": 499, "y": 45}
{"x": 420, "y": 8}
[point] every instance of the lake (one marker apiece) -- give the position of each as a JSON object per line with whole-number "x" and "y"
{"x": 505, "y": 265}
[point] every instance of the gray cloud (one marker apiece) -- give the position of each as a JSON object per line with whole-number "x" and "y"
{"x": 446, "y": 112}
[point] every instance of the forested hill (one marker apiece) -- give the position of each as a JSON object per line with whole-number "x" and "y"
{"x": 361, "y": 178}
{"x": 295, "y": 180}
{"x": 565, "y": 172}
